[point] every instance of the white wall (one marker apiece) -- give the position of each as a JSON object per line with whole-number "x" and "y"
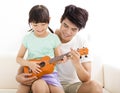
{"x": 104, "y": 30}
{"x": 102, "y": 27}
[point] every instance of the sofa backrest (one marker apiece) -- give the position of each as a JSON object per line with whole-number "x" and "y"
{"x": 8, "y": 71}
{"x": 97, "y": 70}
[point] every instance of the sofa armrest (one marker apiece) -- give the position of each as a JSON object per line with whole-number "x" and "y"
{"x": 112, "y": 78}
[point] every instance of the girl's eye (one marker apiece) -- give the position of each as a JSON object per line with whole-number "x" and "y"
{"x": 38, "y": 24}
{"x": 43, "y": 24}
{"x": 34, "y": 25}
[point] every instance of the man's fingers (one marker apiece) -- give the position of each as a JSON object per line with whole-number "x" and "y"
{"x": 30, "y": 80}
{"x": 29, "y": 77}
{"x": 27, "y": 74}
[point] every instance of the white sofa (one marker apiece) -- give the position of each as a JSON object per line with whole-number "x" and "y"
{"x": 108, "y": 76}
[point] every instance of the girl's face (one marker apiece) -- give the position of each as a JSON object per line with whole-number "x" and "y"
{"x": 40, "y": 29}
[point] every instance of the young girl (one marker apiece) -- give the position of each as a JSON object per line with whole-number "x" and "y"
{"x": 39, "y": 43}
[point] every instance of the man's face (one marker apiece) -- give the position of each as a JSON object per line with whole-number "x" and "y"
{"x": 67, "y": 30}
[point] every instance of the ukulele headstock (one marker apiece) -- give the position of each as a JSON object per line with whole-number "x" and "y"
{"x": 83, "y": 51}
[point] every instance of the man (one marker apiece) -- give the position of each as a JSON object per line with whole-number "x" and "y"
{"x": 75, "y": 74}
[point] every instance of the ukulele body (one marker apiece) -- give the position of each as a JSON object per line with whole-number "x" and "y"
{"x": 46, "y": 66}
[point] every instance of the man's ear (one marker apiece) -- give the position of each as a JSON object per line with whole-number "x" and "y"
{"x": 60, "y": 20}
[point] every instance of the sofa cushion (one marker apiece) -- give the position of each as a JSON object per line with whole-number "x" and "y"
{"x": 7, "y": 90}
{"x": 105, "y": 91}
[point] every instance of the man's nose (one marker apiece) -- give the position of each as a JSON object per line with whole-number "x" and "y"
{"x": 69, "y": 31}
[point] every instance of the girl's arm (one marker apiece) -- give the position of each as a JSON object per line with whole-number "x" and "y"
{"x": 58, "y": 52}
{"x": 20, "y": 59}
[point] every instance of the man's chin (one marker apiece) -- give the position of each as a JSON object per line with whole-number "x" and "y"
{"x": 66, "y": 40}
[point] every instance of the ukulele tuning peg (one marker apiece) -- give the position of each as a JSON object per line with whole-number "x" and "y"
{"x": 86, "y": 56}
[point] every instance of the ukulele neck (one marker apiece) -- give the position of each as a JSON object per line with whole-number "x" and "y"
{"x": 58, "y": 58}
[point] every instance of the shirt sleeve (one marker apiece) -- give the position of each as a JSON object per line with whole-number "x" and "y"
{"x": 24, "y": 41}
{"x": 57, "y": 41}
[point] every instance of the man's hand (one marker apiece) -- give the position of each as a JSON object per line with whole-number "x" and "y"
{"x": 24, "y": 78}
{"x": 75, "y": 57}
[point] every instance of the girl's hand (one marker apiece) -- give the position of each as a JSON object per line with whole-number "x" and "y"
{"x": 34, "y": 66}
{"x": 63, "y": 60}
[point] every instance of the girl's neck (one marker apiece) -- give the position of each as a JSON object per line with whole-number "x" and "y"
{"x": 42, "y": 35}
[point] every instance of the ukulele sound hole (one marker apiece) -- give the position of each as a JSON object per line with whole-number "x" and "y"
{"x": 29, "y": 70}
{"x": 42, "y": 64}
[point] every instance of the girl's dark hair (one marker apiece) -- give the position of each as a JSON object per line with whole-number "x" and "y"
{"x": 39, "y": 14}
{"x": 76, "y": 15}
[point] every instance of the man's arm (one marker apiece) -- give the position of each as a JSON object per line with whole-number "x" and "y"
{"x": 24, "y": 78}
{"x": 83, "y": 70}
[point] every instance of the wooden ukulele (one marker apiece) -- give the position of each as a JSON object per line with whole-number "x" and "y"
{"x": 47, "y": 64}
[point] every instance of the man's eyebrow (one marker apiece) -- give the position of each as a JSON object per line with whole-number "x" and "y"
{"x": 74, "y": 28}
{"x": 65, "y": 23}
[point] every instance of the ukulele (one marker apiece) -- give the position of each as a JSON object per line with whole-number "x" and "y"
{"x": 47, "y": 64}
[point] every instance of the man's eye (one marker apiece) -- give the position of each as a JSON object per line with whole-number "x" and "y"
{"x": 65, "y": 26}
{"x": 74, "y": 30}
